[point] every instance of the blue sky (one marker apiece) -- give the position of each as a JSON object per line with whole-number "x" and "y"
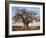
{"x": 29, "y": 9}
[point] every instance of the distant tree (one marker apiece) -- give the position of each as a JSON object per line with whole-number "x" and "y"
{"x": 25, "y": 17}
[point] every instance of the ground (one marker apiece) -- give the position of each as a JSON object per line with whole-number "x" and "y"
{"x": 31, "y": 26}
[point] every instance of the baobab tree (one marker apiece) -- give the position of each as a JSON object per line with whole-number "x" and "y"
{"x": 25, "y": 17}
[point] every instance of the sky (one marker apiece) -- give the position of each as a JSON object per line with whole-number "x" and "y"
{"x": 29, "y": 9}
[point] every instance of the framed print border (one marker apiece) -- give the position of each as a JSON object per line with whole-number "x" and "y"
{"x": 7, "y": 18}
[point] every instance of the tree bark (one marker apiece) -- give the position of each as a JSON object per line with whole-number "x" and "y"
{"x": 26, "y": 26}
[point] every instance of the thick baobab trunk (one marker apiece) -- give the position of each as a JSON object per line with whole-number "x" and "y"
{"x": 26, "y": 26}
